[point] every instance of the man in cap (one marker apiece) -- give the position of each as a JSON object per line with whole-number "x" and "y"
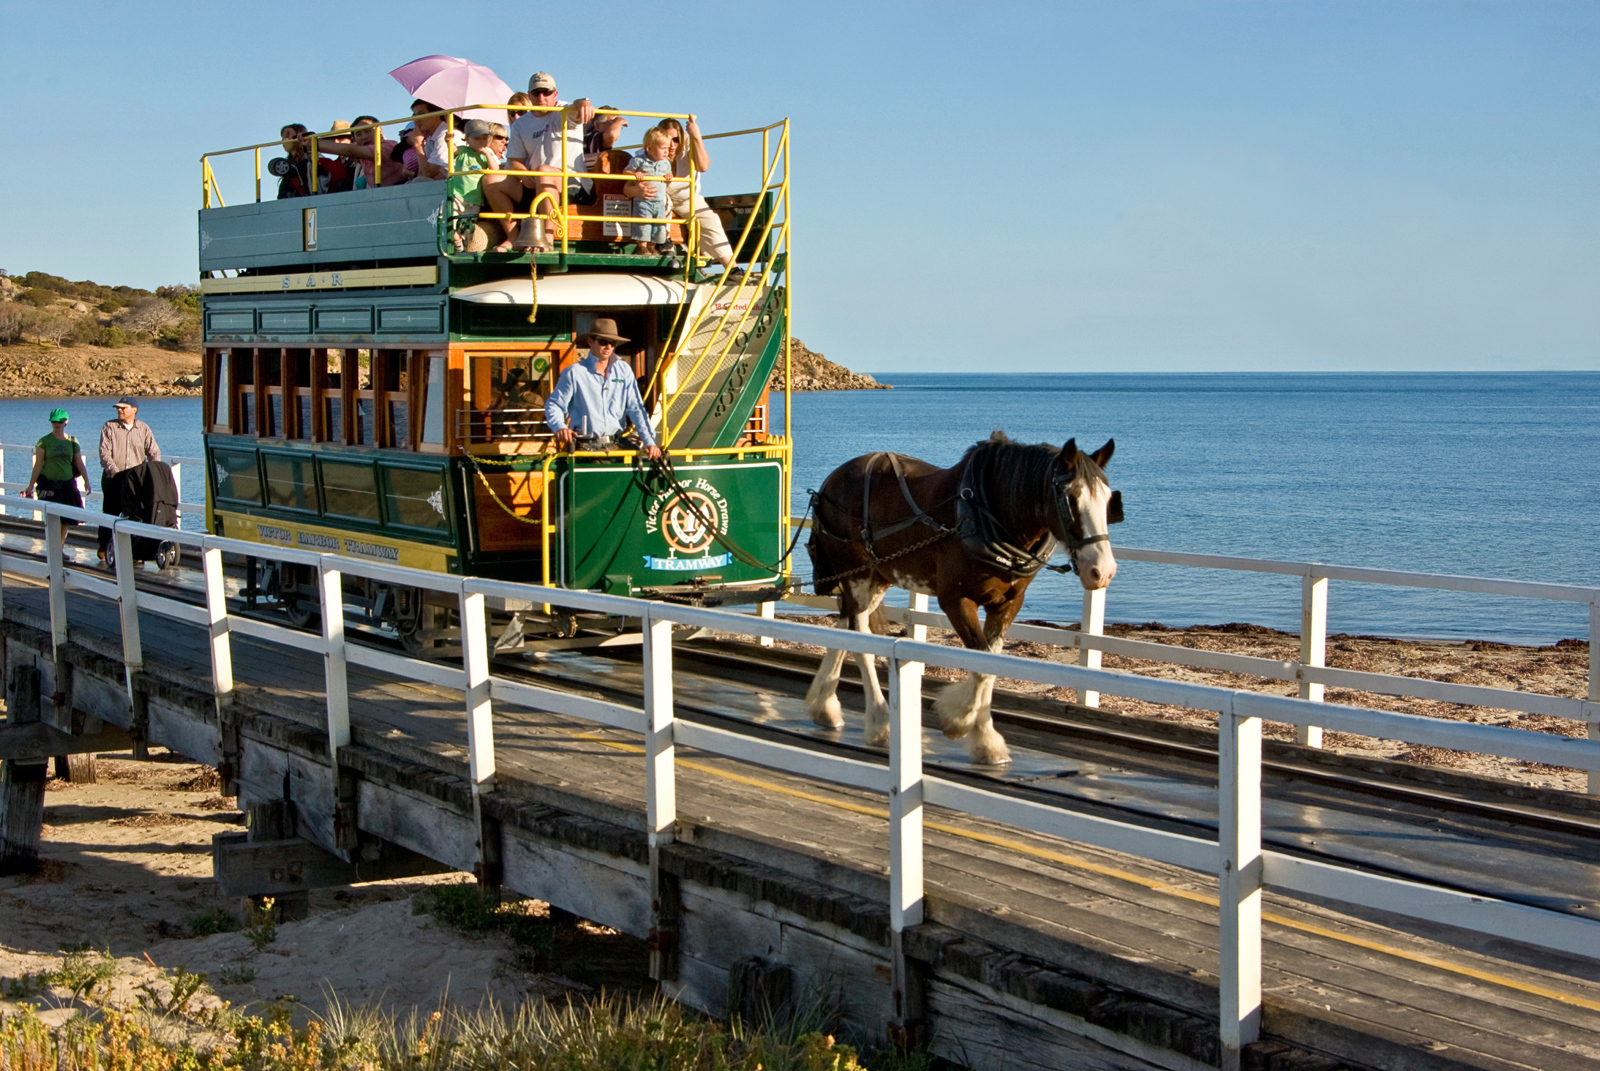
{"x": 593, "y": 396}
{"x": 126, "y": 442}
{"x": 535, "y": 144}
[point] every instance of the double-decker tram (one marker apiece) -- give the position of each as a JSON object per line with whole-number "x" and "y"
{"x": 374, "y": 386}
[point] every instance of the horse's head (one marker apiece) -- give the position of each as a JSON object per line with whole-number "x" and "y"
{"x": 1085, "y": 507}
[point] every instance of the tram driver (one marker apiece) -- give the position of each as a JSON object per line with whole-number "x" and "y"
{"x": 592, "y": 397}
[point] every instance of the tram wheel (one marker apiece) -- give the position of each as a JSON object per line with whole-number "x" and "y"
{"x": 301, "y": 610}
{"x": 421, "y": 627}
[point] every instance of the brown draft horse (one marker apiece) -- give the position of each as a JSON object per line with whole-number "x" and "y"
{"x": 974, "y": 536}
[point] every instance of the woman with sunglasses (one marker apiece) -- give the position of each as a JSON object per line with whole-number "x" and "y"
{"x": 713, "y": 239}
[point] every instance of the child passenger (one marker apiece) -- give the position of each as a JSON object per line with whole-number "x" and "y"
{"x": 466, "y": 184}
{"x": 652, "y": 163}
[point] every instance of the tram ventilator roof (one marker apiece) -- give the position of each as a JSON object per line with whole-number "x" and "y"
{"x": 594, "y": 289}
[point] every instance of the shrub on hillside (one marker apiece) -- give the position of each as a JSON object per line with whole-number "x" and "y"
{"x": 38, "y": 298}
{"x": 54, "y": 327}
{"x": 184, "y": 336}
{"x": 113, "y": 303}
{"x": 148, "y": 316}
{"x": 14, "y": 320}
{"x": 93, "y": 334}
{"x": 85, "y": 290}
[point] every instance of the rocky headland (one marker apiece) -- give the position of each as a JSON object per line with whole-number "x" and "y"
{"x": 813, "y": 371}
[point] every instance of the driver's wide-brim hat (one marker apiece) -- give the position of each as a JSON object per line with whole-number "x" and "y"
{"x": 602, "y": 329}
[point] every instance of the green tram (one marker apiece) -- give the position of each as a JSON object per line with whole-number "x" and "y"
{"x": 372, "y": 392}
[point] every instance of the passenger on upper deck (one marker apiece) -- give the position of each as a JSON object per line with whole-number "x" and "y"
{"x": 294, "y": 171}
{"x": 713, "y": 239}
{"x": 359, "y": 149}
{"x": 650, "y": 198}
{"x": 465, "y": 187}
{"x": 594, "y": 395}
{"x": 536, "y": 145}
{"x": 429, "y": 137}
{"x": 600, "y": 136}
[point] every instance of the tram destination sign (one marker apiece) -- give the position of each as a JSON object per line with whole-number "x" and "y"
{"x": 620, "y": 530}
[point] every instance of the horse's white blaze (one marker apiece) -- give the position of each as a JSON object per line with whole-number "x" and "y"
{"x": 1095, "y": 563}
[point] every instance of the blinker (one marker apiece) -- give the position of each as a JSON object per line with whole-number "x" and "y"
{"x": 1114, "y": 508}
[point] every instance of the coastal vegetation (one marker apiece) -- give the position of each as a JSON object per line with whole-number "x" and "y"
{"x": 60, "y": 312}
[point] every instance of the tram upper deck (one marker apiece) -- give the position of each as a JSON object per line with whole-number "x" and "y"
{"x": 350, "y": 346}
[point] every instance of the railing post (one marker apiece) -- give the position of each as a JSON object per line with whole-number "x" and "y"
{"x": 661, "y": 794}
{"x": 1239, "y": 882}
{"x": 1092, "y": 624}
{"x": 905, "y": 841}
{"x": 768, "y": 610}
{"x": 54, "y": 533}
{"x": 1594, "y": 685}
{"x": 128, "y": 608}
{"x": 217, "y": 626}
{"x": 918, "y": 605}
{"x": 335, "y": 669}
{"x": 177, "y": 482}
{"x": 1313, "y": 647}
{"x": 480, "y": 732}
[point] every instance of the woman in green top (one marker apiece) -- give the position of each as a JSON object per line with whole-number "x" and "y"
{"x": 57, "y": 464}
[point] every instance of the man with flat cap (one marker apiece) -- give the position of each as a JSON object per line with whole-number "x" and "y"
{"x": 593, "y": 396}
{"x": 126, "y": 442}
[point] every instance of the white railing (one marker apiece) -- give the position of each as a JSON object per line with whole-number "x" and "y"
{"x": 1237, "y": 860}
{"x": 1311, "y": 672}
{"x": 16, "y": 460}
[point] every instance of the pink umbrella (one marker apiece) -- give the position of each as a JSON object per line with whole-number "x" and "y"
{"x": 452, "y": 82}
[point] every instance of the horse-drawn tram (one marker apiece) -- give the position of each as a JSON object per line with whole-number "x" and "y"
{"x": 376, "y": 378}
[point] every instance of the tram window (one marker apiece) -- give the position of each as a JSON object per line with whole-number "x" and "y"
{"x": 331, "y": 368}
{"x": 508, "y": 393}
{"x": 433, "y": 403}
{"x": 415, "y": 498}
{"x": 221, "y": 391}
{"x": 244, "y": 388}
{"x": 291, "y": 483}
{"x": 365, "y": 411}
{"x": 270, "y": 378}
{"x": 238, "y": 479}
{"x": 350, "y": 490}
{"x": 393, "y": 380}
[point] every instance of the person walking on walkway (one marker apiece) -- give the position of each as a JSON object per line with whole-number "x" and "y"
{"x": 57, "y": 466}
{"x": 126, "y": 442}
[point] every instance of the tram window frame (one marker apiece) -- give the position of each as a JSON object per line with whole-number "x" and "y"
{"x": 364, "y": 426}
{"x": 245, "y": 406}
{"x": 430, "y": 390}
{"x": 220, "y": 458}
{"x": 269, "y": 386}
{"x": 306, "y": 485}
{"x": 328, "y": 429}
{"x": 324, "y": 464}
{"x": 300, "y": 422}
{"x": 393, "y": 512}
{"x": 217, "y": 391}
{"x": 484, "y": 368}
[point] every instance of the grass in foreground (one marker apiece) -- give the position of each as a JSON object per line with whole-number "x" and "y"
{"x": 601, "y": 1035}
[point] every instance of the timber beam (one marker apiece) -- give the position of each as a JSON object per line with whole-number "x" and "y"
{"x": 279, "y": 867}
{"x": 38, "y": 742}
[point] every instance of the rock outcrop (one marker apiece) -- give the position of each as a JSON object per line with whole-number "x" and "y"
{"x": 39, "y": 371}
{"x": 813, "y": 371}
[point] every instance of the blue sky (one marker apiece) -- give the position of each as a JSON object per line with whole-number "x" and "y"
{"x": 1051, "y": 187}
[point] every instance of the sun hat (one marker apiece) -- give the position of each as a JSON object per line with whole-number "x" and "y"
{"x": 477, "y": 128}
{"x": 603, "y": 329}
{"x": 126, "y": 400}
{"x": 57, "y": 416}
{"x": 541, "y": 81}
{"x": 338, "y": 125}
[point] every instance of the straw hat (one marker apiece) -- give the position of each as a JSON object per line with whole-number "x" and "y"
{"x": 603, "y": 329}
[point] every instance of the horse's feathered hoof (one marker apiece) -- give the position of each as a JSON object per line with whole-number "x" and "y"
{"x": 989, "y": 750}
{"x": 826, "y": 713}
{"x": 954, "y": 706}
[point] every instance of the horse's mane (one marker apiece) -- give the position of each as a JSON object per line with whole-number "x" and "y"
{"x": 1016, "y": 472}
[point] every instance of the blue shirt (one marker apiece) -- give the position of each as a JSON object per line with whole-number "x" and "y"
{"x": 581, "y": 394}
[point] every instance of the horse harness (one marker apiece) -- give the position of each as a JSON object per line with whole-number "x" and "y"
{"x": 983, "y": 535}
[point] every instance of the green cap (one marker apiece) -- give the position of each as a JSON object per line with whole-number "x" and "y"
{"x": 57, "y": 415}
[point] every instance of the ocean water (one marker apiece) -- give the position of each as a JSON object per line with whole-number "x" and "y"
{"x": 1467, "y": 474}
